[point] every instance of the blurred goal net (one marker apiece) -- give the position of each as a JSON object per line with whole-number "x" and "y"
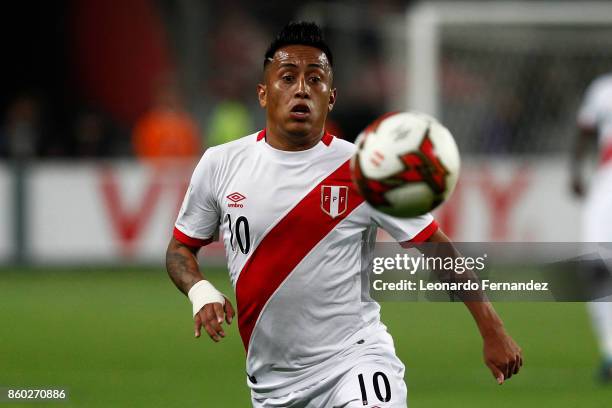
{"x": 507, "y": 78}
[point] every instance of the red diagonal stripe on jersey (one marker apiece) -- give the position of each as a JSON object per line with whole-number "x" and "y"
{"x": 287, "y": 243}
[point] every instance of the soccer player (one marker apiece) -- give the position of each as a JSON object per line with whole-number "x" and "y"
{"x": 595, "y": 123}
{"x": 295, "y": 262}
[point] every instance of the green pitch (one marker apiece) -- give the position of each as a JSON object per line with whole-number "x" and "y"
{"x": 124, "y": 338}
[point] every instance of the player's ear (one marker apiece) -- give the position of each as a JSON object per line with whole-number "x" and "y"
{"x": 261, "y": 95}
{"x": 332, "y": 99}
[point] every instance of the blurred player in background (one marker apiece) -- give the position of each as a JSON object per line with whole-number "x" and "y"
{"x": 295, "y": 262}
{"x": 595, "y": 123}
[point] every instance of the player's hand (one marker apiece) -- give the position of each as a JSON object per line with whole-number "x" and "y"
{"x": 502, "y": 355}
{"x": 211, "y": 317}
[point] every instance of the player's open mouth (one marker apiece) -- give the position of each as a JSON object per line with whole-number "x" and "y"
{"x": 300, "y": 111}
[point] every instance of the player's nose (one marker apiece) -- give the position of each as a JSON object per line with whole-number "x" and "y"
{"x": 301, "y": 89}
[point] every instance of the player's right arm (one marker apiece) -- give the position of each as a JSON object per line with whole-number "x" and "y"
{"x": 183, "y": 269}
{"x": 197, "y": 221}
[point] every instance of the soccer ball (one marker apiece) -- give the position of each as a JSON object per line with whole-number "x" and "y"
{"x": 406, "y": 164}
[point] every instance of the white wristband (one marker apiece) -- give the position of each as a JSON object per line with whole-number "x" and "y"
{"x": 203, "y": 293}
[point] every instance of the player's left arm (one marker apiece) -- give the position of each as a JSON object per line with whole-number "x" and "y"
{"x": 584, "y": 137}
{"x": 501, "y": 353}
{"x": 587, "y": 119}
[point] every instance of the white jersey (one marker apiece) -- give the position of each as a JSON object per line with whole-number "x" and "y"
{"x": 298, "y": 238}
{"x": 596, "y": 113}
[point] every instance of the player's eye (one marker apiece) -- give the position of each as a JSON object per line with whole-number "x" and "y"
{"x": 287, "y": 78}
{"x": 315, "y": 79}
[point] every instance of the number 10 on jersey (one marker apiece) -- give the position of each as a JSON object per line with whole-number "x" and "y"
{"x": 240, "y": 230}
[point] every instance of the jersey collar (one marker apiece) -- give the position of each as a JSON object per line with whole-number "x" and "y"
{"x": 326, "y": 139}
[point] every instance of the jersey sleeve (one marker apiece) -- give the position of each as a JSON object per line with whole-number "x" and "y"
{"x": 589, "y": 110}
{"x": 415, "y": 229}
{"x": 199, "y": 215}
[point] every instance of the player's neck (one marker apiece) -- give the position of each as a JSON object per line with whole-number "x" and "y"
{"x": 290, "y": 142}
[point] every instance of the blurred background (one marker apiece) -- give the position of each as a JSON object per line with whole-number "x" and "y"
{"x": 107, "y": 105}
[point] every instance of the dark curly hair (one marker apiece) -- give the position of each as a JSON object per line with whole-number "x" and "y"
{"x": 299, "y": 33}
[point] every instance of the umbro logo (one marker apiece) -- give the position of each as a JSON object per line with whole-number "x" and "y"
{"x": 235, "y": 199}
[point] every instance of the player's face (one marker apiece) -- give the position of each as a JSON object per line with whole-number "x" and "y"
{"x": 297, "y": 92}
